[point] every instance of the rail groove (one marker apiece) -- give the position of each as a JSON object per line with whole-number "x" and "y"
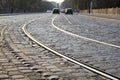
{"x": 22, "y": 59}
{"x": 82, "y": 37}
{"x": 97, "y": 71}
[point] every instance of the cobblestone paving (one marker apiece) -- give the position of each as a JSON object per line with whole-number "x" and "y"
{"x": 22, "y": 59}
{"x": 106, "y": 16}
{"x": 101, "y": 30}
{"x": 99, "y": 55}
{"x": 8, "y": 65}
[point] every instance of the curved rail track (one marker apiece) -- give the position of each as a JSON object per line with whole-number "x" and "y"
{"x": 95, "y": 70}
{"x": 86, "y": 31}
{"x": 23, "y": 59}
{"x": 37, "y": 61}
{"x": 82, "y": 37}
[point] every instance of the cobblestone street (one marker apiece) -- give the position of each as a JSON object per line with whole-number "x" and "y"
{"x": 23, "y": 59}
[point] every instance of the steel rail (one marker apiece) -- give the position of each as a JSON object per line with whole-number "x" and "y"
{"x": 97, "y": 71}
{"x": 3, "y": 33}
{"x": 82, "y": 37}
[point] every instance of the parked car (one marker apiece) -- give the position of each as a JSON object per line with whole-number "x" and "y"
{"x": 69, "y": 11}
{"x": 56, "y": 11}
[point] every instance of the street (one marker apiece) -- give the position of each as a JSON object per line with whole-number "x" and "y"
{"x": 94, "y": 40}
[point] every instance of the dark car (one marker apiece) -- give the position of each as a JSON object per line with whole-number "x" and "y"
{"x": 69, "y": 11}
{"x": 56, "y": 11}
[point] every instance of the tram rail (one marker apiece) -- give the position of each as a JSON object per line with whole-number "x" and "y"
{"x": 91, "y": 68}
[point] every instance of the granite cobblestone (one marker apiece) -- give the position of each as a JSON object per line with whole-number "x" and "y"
{"x": 50, "y": 64}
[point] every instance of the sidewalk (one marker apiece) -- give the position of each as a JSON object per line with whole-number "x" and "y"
{"x": 103, "y": 16}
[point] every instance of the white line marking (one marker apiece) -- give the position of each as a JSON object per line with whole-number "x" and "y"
{"x": 82, "y": 37}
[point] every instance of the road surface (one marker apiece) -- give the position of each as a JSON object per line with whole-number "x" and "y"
{"x": 93, "y": 40}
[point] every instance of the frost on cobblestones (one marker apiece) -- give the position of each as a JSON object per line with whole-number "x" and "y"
{"x": 8, "y": 67}
{"x": 79, "y": 48}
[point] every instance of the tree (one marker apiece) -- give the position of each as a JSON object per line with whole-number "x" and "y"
{"x": 107, "y": 3}
{"x": 86, "y": 4}
{"x": 66, "y": 4}
{"x": 27, "y": 5}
